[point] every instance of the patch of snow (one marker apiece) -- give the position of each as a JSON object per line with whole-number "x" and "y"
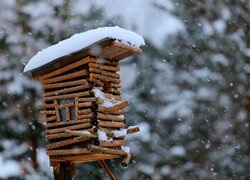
{"x": 102, "y": 135}
{"x": 125, "y": 149}
{"x": 165, "y": 170}
{"x": 178, "y": 151}
{"x": 82, "y": 40}
{"x": 119, "y": 133}
{"x": 107, "y": 102}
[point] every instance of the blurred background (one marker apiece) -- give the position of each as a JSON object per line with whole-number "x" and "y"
{"x": 189, "y": 91}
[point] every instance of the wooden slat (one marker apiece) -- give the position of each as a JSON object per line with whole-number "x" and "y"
{"x": 48, "y": 119}
{"x": 76, "y": 107}
{"x": 47, "y": 112}
{"x": 64, "y": 123}
{"x": 66, "y": 90}
{"x": 67, "y": 96}
{"x": 58, "y": 118}
{"x": 105, "y": 67}
{"x": 66, "y": 84}
{"x": 118, "y": 107}
{"x": 84, "y": 111}
{"x": 96, "y": 82}
{"x": 64, "y": 143}
{"x": 105, "y": 111}
{"x": 66, "y": 68}
{"x": 64, "y": 135}
{"x": 87, "y": 99}
{"x": 110, "y": 124}
{"x": 85, "y": 116}
{"x": 74, "y": 127}
{"x": 85, "y": 158}
{"x": 70, "y": 104}
{"x": 97, "y": 149}
{"x": 110, "y": 62}
{"x": 67, "y": 110}
{"x": 85, "y": 104}
{"x": 109, "y": 117}
{"x": 65, "y": 77}
{"x": 114, "y": 91}
{"x": 68, "y": 152}
{"x": 112, "y": 143}
{"x": 104, "y": 78}
{"x": 46, "y": 106}
{"x": 105, "y": 73}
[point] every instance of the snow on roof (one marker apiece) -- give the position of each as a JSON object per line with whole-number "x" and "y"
{"x": 82, "y": 40}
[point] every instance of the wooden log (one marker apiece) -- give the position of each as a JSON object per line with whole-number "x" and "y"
{"x": 85, "y": 104}
{"x": 126, "y": 160}
{"x": 46, "y": 106}
{"x": 106, "y": 111}
{"x": 133, "y": 130}
{"x": 109, "y": 117}
{"x": 66, "y": 90}
{"x": 118, "y": 107}
{"x": 103, "y": 150}
{"x": 67, "y": 111}
{"x": 58, "y": 117}
{"x": 111, "y": 96}
{"x": 104, "y": 78}
{"x": 48, "y": 119}
{"x": 66, "y": 84}
{"x": 64, "y": 123}
{"x": 84, "y": 111}
{"x": 112, "y": 143}
{"x": 105, "y": 73}
{"x": 110, "y": 62}
{"x": 64, "y": 143}
{"x": 111, "y": 133}
{"x": 66, "y": 68}
{"x": 111, "y": 124}
{"x": 96, "y": 82}
{"x": 87, "y": 99}
{"x": 47, "y": 112}
{"x": 105, "y": 67}
{"x": 85, "y": 116}
{"x": 76, "y": 107}
{"x": 63, "y": 129}
{"x": 68, "y": 152}
{"x": 62, "y": 106}
{"x": 83, "y": 134}
{"x": 67, "y": 96}
{"x": 65, "y": 77}
{"x": 64, "y": 135}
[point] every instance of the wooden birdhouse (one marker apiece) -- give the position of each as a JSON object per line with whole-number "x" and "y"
{"x": 83, "y": 107}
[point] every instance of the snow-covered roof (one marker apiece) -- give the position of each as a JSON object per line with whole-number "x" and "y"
{"x": 82, "y": 40}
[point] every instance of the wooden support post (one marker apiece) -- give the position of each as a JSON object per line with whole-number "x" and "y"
{"x": 106, "y": 169}
{"x": 64, "y": 171}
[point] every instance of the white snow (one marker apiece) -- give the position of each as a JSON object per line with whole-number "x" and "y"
{"x": 83, "y": 40}
{"x": 102, "y": 135}
{"x": 106, "y": 101}
{"x": 125, "y": 149}
{"x": 178, "y": 151}
{"x": 119, "y": 133}
{"x": 9, "y": 168}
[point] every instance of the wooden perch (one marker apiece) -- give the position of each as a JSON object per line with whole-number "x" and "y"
{"x": 126, "y": 160}
{"x": 65, "y": 68}
{"x": 68, "y": 152}
{"x": 103, "y": 150}
{"x": 83, "y": 82}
